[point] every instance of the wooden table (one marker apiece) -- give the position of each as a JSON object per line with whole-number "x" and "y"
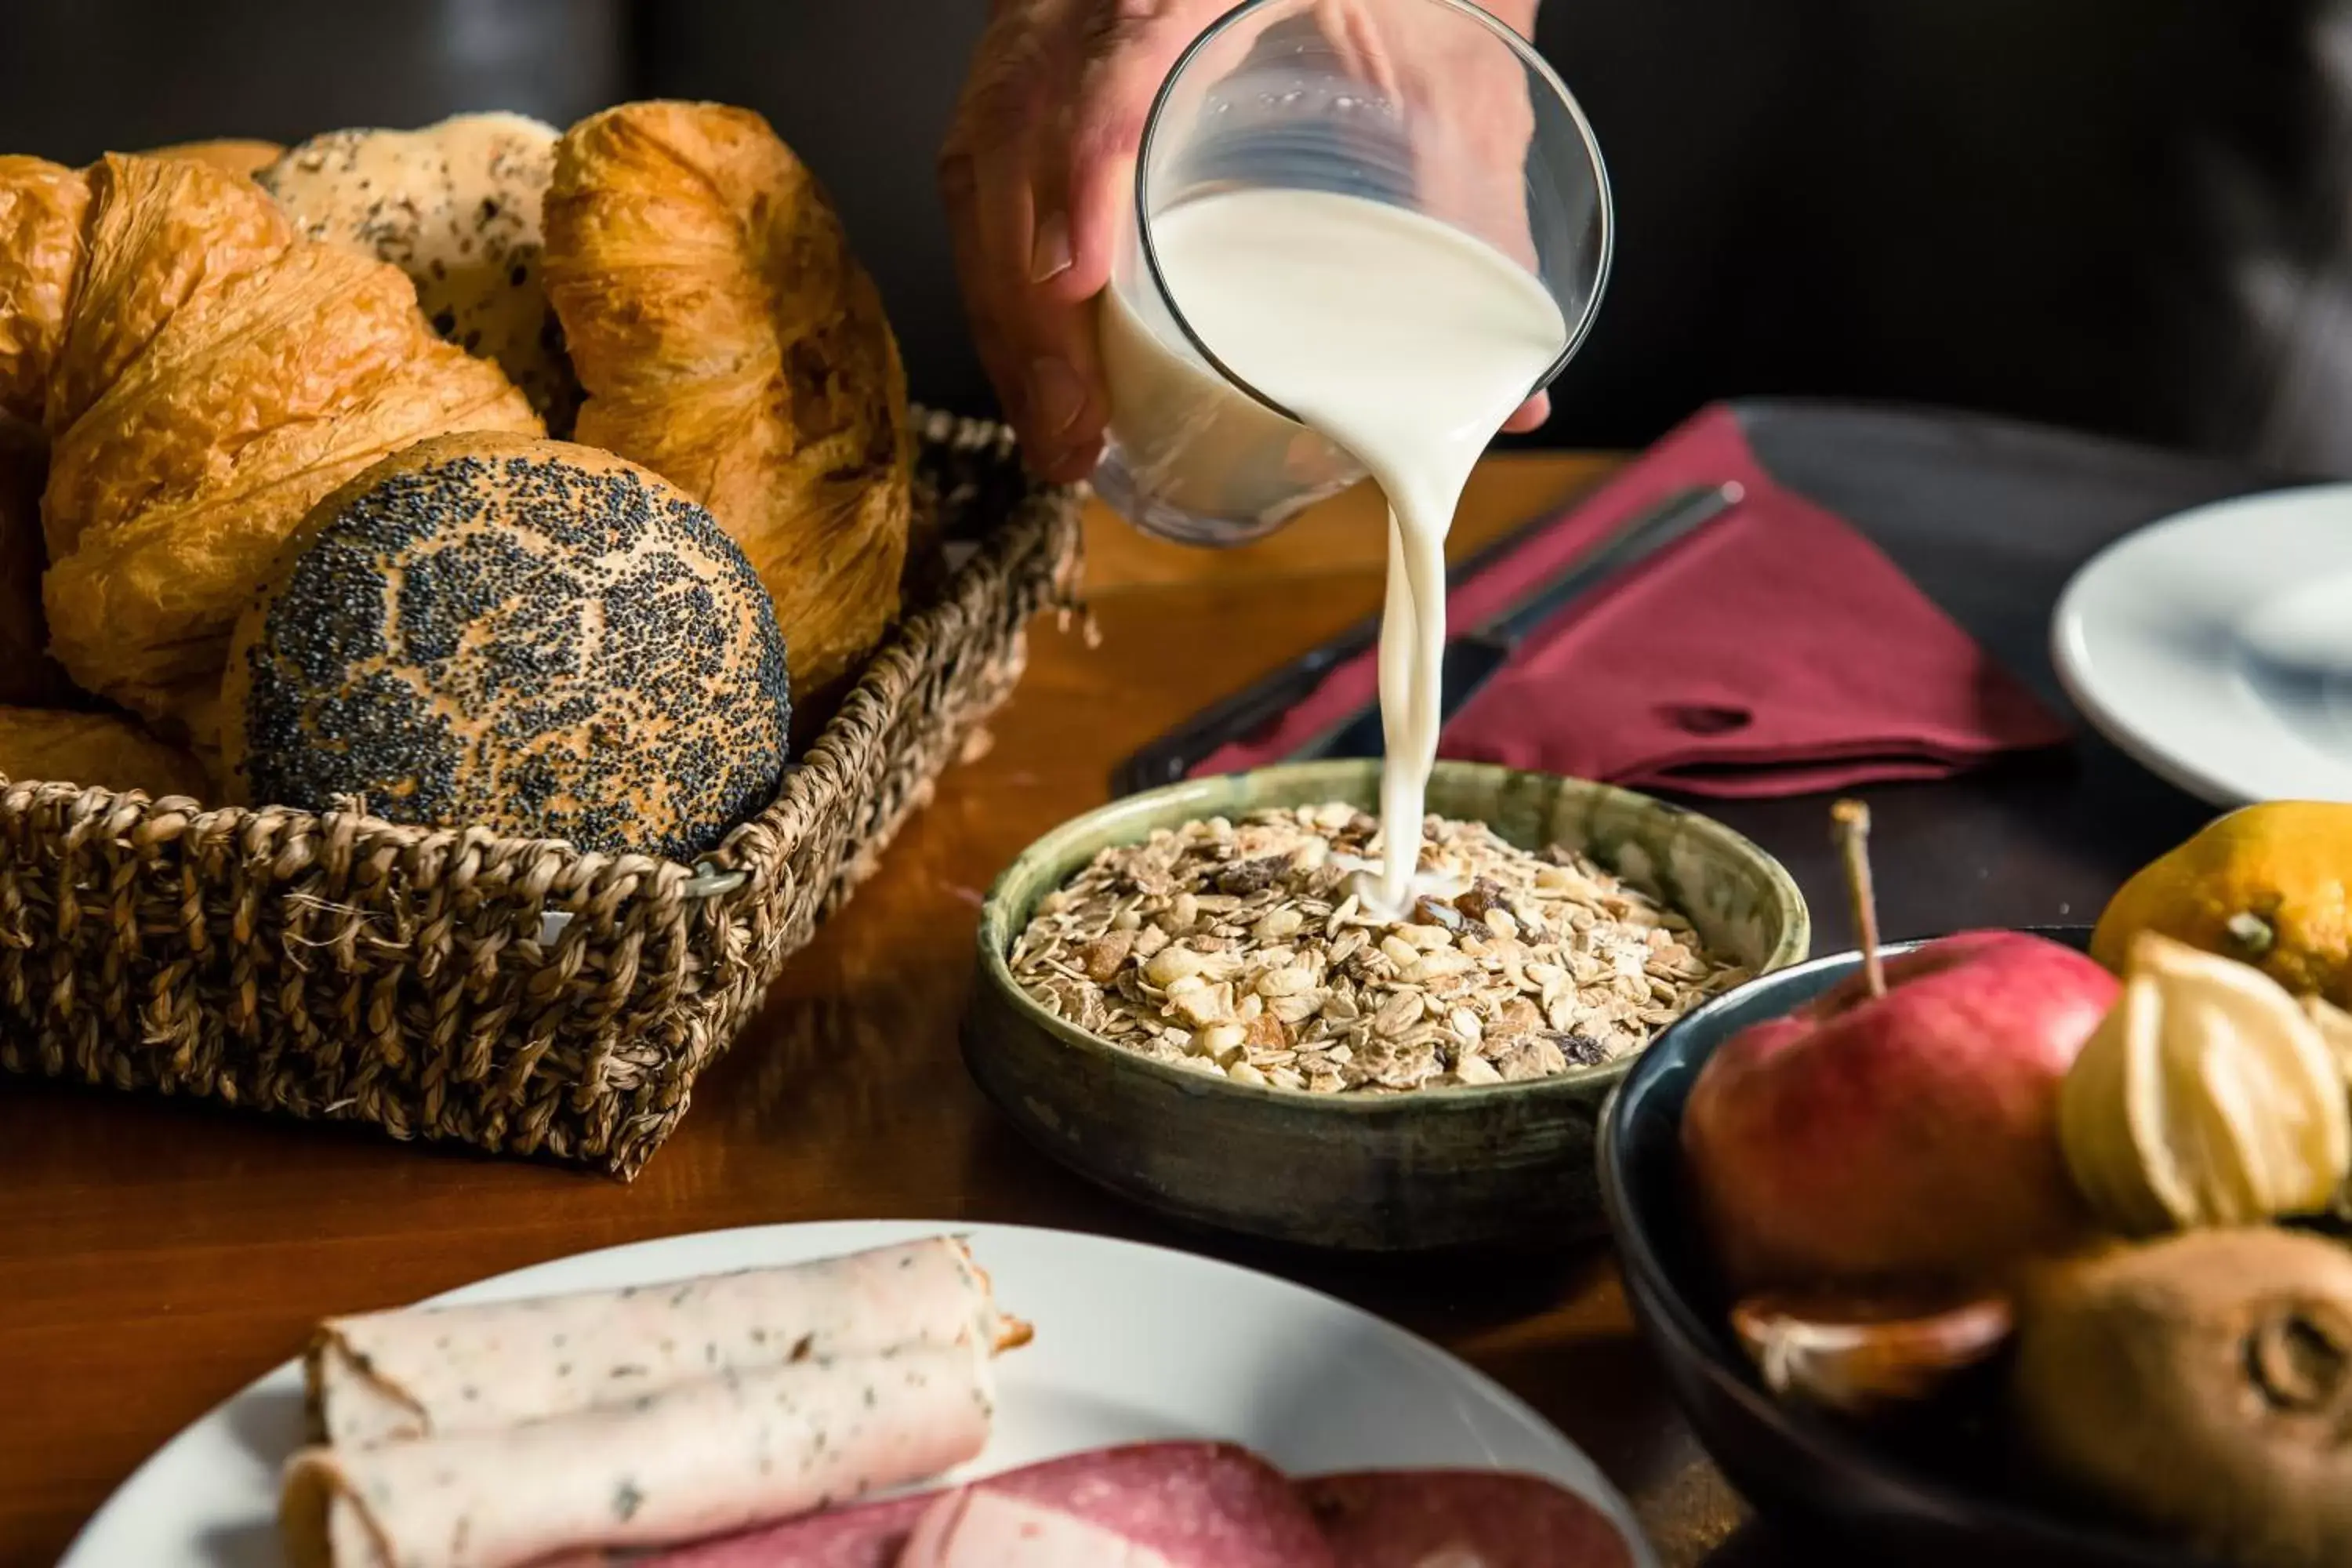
{"x": 154, "y": 1257}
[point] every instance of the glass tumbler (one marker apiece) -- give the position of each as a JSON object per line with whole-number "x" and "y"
{"x": 1411, "y": 102}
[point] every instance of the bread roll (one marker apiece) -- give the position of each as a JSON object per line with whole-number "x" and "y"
{"x": 231, "y": 156}
{"x": 527, "y": 635}
{"x": 457, "y": 207}
{"x": 204, "y": 375}
{"x": 729, "y": 340}
{"x": 47, "y": 746}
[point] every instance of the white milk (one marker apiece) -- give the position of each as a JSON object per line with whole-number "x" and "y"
{"x": 1184, "y": 434}
{"x": 1402, "y": 340}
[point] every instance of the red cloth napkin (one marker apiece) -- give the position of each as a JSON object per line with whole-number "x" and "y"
{"x": 1773, "y": 652}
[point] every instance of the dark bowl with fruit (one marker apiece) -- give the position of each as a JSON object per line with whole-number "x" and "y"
{"x": 1762, "y": 1180}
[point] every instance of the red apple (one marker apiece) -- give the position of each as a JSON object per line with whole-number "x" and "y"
{"x": 1907, "y": 1136}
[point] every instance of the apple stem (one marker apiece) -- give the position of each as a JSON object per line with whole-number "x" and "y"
{"x": 1852, "y": 820}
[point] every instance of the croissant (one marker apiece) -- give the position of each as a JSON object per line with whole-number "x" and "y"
{"x": 730, "y": 341}
{"x": 231, "y": 156}
{"x": 204, "y": 375}
{"x": 42, "y": 211}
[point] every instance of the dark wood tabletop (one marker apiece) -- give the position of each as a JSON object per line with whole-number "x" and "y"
{"x": 154, "y": 1257}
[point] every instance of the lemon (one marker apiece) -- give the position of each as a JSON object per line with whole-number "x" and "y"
{"x": 2266, "y": 884}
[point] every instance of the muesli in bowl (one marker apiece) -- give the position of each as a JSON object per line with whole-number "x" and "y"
{"x": 1558, "y": 924}
{"x": 1257, "y": 950}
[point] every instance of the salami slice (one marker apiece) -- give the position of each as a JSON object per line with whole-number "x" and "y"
{"x": 1460, "y": 1519}
{"x": 1153, "y": 1505}
{"x": 690, "y": 1460}
{"x": 442, "y": 1370}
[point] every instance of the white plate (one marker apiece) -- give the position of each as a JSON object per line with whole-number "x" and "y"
{"x": 2216, "y": 647}
{"x": 1132, "y": 1342}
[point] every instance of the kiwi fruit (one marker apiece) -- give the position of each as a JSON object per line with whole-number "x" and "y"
{"x": 2199, "y": 1386}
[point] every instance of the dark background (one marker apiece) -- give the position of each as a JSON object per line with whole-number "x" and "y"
{"x": 2127, "y": 215}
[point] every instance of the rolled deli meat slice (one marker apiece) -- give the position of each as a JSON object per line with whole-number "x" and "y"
{"x": 693, "y": 1460}
{"x": 1149, "y": 1505}
{"x": 871, "y": 1536}
{"x": 443, "y": 1370}
{"x": 1460, "y": 1519}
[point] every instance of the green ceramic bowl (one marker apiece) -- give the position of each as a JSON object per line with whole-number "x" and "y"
{"x": 1439, "y": 1169}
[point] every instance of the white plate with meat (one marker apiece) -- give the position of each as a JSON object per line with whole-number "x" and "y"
{"x": 754, "y": 1390}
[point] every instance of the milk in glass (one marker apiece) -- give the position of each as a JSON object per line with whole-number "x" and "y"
{"x": 1400, "y": 341}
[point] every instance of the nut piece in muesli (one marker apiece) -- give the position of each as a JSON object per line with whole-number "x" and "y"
{"x": 1242, "y": 950}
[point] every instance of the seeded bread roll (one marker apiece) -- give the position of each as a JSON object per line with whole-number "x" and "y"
{"x": 524, "y": 634}
{"x": 455, "y": 206}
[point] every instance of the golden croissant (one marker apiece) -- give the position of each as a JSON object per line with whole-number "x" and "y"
{"x": 203, "y": 374}
{"x": 730, "y": 341}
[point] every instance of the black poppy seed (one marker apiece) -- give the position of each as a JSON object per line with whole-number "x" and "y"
{"x": 533, "y": 787}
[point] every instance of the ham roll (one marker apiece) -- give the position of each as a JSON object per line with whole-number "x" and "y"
{"x": 873, "y": 1536}
{"x": 448, "y": 1371}
{"x": 693, "y": 1460}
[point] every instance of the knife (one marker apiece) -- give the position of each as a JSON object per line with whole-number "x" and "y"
{"x": 1473, "y": 659}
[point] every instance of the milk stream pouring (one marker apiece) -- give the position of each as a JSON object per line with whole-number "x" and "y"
{"x": 1401, "y": 344}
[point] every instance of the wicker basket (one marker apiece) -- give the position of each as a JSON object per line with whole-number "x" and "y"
{"x": 515, "y": 994}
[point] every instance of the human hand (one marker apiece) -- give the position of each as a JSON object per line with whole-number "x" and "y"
{"x": 1039, "y": 165}
{"x": 1038, "y": 159}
